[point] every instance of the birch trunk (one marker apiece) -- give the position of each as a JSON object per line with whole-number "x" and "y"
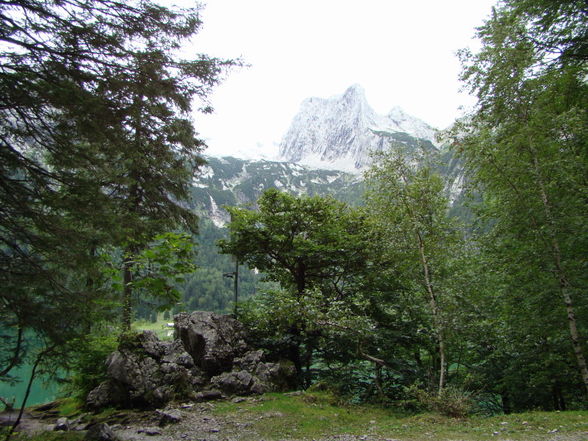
{"x": 436, "y": 313}
{"x": 563, "y": 281}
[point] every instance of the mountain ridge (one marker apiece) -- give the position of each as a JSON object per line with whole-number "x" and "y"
{"x": 230, "y": 181}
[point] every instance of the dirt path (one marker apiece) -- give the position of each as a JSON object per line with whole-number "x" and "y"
{"x": 28, "y": 423}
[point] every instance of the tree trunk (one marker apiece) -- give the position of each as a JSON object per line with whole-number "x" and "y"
{"x": 134, "y": 207}
{"x": 16, "y": 353}
{"x": 563, "y": 282}
{"x": 436, "y": 313}
{"x": 507, "y": 409}
{"x": 127, "y": 293}
{"x": 300, "y": 277}
{"x": 27, "y": 392}
{"x": 378, "y": 381}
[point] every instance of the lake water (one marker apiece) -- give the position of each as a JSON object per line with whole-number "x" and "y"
{"x": 41, "y": 391}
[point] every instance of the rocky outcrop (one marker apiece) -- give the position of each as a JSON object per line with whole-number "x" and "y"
{"x": 208, "y": 358}
{"x": 212, "y": 340}
{"x": 238, "y": 383}
{"x": 145, "y": 371}
{"x": 278, "y": 376}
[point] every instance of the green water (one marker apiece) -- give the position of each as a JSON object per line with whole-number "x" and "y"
{"x": 41, "y": 392}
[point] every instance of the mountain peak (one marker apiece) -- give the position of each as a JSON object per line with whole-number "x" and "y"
{"x": 354, "y": 97}
{"x": 355, "y": 90}
{"x": 340, "y": 132}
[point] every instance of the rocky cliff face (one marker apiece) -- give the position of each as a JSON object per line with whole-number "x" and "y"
{"x": 340, "y": 132}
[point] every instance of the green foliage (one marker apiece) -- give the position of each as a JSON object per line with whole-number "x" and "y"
{"x": 450, "y": 401}
{"x": 130, "y": 341}
{"x": 70, "y": 407}
{"x": 408, "y": 208}
{"x": 301, "y": 242}
{"x": 315, "y": 249}
{"x": 207, "y": 288}
{"x": 157, "y": 269}
{"x": 525, "y": 151}
{"x": 88, "y": 363}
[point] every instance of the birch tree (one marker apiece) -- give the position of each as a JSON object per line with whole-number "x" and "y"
{"x": 406, "y": 202}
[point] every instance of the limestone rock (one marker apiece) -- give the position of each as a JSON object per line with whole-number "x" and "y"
{"x": 212, "y": 340}
{"x": 238, "y": 383}
{"x": 151, "y": 345}
{"x": 107, "y": 393}
{"x": 140, "y": 375}
{"x": 278, "y": 376}
{"x": 208, "y": 395}
{"x": 249, "y": 360}
{"x": 209, "y": 359}
{"x": 166, "y": 417}
{"x": 62, "y": 424}
{"x": 100, "y": 432}
{"x": 146, "y": 372}
{"x": 175, "y": 353}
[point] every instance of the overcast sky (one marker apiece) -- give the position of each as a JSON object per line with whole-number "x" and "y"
{"x": 401, "y": 52}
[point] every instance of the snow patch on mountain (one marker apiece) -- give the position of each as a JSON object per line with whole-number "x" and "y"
{"x": 403, "y": 122}
{"x": 217, "y": 216}
{"x": 456, "y": 188}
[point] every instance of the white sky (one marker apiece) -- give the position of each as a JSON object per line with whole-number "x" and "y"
{"x": 401, "y": 51}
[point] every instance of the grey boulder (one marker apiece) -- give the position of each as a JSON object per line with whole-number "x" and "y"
{"x": 213, "y": 340}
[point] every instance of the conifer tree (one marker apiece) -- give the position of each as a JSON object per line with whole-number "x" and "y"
{"x": 96, "y": 148}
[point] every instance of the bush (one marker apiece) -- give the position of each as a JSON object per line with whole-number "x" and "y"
{"x": 89, "y": 365}
{"x": 451, "y": 401}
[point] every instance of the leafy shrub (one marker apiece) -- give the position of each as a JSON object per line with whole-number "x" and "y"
{"x": 451, "y": 401}
{"x": 89, "y": 365}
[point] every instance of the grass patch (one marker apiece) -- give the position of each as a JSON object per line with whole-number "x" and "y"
{"x": 316, "y": 415}
{"x": 70, "y": 407}
{"x": 306, "y": 416}
{"x": 105, "y": 414}
{"x": 160, "y": 328}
